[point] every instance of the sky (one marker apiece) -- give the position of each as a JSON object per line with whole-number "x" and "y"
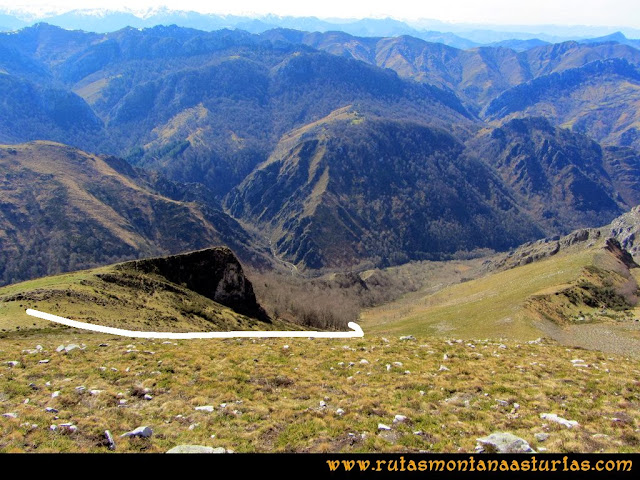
{"x": 494, "y": 12}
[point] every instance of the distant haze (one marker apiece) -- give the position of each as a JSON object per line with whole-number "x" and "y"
{"x": 622, "y": 13}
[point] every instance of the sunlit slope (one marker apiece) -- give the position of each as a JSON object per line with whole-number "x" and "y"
{"x": 134, "y": 297}
{"x": 490, "y": 307}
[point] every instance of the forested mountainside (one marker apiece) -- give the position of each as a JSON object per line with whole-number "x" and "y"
{"x": 337, "y": 151}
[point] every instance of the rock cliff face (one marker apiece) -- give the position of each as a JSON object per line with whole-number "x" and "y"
{"x": 213, "y": 272}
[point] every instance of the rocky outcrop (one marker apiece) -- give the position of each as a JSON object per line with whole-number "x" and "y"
{"x": 213, "y": 272}
{"x": 547, "y": 247}
{"x": 625, "y": 230}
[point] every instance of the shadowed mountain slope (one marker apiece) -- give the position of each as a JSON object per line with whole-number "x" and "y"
{"x": 352, "y": 188}
{"x": 63, "y": 209}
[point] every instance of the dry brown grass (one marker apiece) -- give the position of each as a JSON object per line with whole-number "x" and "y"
{"x": 267, "y": 396}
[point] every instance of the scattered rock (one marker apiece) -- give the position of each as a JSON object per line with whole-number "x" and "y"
{"x": 339, "y": 411}
{"x": 407, "y": 337}
{"x": 196, "y": 449}
{"x": 46, "y": 360}
{"x": 552, "y": 417}
{"x": 443, "y": 369}
{"x": 206, "y": 408}
{"x": 13, "y": 363}
{"x": 95, "y": 392}
{"x": 147, "y": 397}
{"x": 364, "y": 362}
{"x": 382, "y": 426}
{"x": 144, "y": 432}
{"x": 400, "y": 419}
{"x": 323, "y": 404}
{"x": 68, "y": 348}
{"x": 68, "y": 427}
{"x": 541, "y": 437}
{"x": 51, "y": 410}
{"x": 10, "y": 415}
{"x": 502, "y": 442}
{"x": 55, "y": 394}
{"x": 111, "y": 444}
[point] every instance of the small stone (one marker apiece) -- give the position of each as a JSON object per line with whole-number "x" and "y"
{"x": 407, "y": 337}
{"x": 196, "y": 449}
{"x": 399, "y": 419}
{"x": 323, "y": 404}
{"x": 421, "y": 392}
{"x": 193, "y": 426}
{"x": 55, "y": 394}
{"x": 95, "y": 392}
{"x": 397, "y": 364}
{"x": 13, "y": 363}
{"x": 10, "y": 415}
{"x": 541, "y": 437}
{"x": 144, "y": 432}
{"x": 147, "y": 397}
{"x": 285, "y": 347}
{"x": 388, "y": 367}
{"x": 69, "y": 427}
{"x": 60, "y": 348}
{"x": 502, "y": 442}
{"x": 443, "y": 369}
{"x": 552, "y": 417}
{"x": 382, "y": 426}
{"x": 206, "y": 408}
{"x": 339, "y": 411}
{"x": 46, "y": 360}
{"x": 53, "y": 428}
{"x": 71, "y": 347}
{"x": 111, "y": 444}
{"x": 80, "y": 389}
{"x": 51, "y": 410}
{"x": 364, "y": 362}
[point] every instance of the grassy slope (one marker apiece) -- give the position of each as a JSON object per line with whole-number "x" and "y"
{"x": 133, "y": 301}
{"x": 273, "y": 393}
{"x": 491, "y": 306}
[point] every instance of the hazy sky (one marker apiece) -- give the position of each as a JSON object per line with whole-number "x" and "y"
{"x": 519, "y": 12}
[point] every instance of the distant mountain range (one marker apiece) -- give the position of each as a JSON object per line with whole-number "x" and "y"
{"x": 320, "y": 150}
{"x": 456, "y": 35}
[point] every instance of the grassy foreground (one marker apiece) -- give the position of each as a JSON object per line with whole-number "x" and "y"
{"x": 303, "y": 395}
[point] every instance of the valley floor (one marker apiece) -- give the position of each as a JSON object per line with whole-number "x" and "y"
{"x": 303, "y": 395}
